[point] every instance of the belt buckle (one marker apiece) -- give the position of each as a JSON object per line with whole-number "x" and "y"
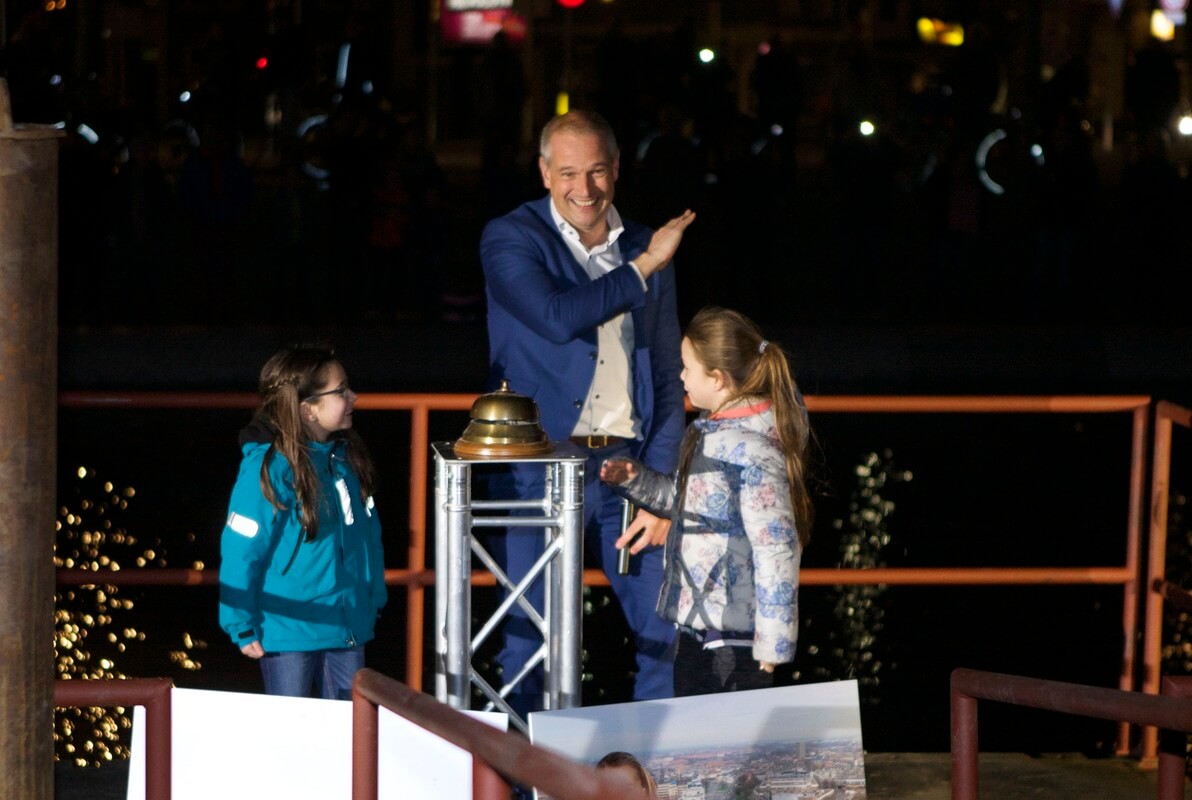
{"x": 592, "y": 441}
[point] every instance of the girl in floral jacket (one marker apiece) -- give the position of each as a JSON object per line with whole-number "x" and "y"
{"x": 739, "y": 508}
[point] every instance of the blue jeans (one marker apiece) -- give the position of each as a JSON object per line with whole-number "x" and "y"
{"x": 637, "y": 592}
{"x": 328, "y": 672}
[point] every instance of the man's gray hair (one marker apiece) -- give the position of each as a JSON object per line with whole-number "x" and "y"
{"x": 578, "y": 122}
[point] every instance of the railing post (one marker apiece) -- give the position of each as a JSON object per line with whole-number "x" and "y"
{"x": 365, "y": 736}
{"x": 416, "y": 592}
{"x": 1130, "y": 590}
{"x": 1152, "y": 644}
{"x": 964, "y": 745}
{"x": 487, "y": 783}
{"x": 1173, "y": 747}
{"x": 159, "y": 747}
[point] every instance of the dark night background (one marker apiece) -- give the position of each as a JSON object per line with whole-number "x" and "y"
{"x": 227, "y": 208}
{"x": 297, "y": 193}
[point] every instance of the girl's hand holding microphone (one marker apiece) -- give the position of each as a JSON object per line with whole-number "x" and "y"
{"x": 617, "y": 471}
{"x": 647, "y": 528}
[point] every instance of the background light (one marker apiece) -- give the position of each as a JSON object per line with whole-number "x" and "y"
{"x": 982, "y": 158}
{"x": 937, "y": 31}
{"x": 867, "y": 128}
{"x": 707, "y": 55}
{"x": 1162, "y": 28}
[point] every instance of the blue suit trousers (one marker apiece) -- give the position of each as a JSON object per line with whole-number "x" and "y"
{"x": 517, "y": 549}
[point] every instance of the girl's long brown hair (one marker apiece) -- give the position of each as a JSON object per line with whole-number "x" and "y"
{"x": 286, "y": 378}
{"x": 729, "y": 341}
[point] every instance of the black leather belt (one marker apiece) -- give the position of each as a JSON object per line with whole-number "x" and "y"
{"x": 597, "y": 441}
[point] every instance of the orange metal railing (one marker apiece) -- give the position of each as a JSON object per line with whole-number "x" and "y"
{"x": 416, "y": 576}
{"x": 1167, "y": 415}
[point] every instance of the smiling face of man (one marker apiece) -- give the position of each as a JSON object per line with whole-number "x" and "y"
{"x": 580, "y": 177}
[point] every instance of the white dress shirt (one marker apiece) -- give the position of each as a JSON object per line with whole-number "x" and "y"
{"x": 608, "y": 408}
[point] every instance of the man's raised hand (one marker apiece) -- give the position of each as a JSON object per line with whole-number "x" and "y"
{"x": 663, "y": 244}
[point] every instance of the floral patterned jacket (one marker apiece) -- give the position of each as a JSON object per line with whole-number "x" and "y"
{"x": 732, "y": 557}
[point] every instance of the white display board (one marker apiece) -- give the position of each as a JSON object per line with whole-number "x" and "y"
{"x": 233, "y": 744}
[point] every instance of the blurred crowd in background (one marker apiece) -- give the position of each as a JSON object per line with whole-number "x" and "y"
{"x": 279, "y": 169}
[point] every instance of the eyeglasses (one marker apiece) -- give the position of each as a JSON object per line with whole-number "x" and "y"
{"x": 341, "y": 390}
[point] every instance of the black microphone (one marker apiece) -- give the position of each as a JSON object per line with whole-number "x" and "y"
{"x": 628, "y": 510}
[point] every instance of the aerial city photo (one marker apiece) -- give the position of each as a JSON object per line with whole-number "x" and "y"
{"x": 819, "y": 769}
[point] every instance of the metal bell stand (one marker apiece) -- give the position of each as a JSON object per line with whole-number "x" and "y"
{"x": 561, "y": 565}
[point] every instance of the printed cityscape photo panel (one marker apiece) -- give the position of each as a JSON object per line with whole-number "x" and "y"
{"x": 786, "y": 743}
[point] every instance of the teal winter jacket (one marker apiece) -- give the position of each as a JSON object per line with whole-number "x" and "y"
{"x": 288, "y": 593}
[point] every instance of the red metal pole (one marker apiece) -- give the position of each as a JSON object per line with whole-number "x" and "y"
{"x": 1073, "y": 698}
{"x": 487, "y": 783}
{"x": 152, "y": 693}
{"x": 964, "y": 745}
{"x": 159, "y": 746}
{"x": 364, "y": 743}
{"x": 1173, "y": 746}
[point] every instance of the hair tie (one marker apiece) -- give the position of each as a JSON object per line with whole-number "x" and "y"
{"x": 761, "y": 347}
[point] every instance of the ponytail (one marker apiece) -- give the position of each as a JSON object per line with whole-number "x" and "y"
{"x": 728, "y": 341}
{"x": 773, "y": 380}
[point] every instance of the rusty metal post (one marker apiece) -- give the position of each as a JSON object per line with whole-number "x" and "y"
{"x": 28, "y": 405}
{"x": 156, "y": 695}
{"x": 487, "y": 783}
{"x": 1166, "y": 415}
{"x": 1173, "y": 745}
{"x": 366, "y": 731}
{"x": 964, "y": 745}
{"x": 1131, "y": 589}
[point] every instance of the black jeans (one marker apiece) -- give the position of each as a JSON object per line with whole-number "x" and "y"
{"x": 721, "y": 669}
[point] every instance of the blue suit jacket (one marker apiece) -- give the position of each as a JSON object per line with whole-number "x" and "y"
{"x": 543, "y": 311}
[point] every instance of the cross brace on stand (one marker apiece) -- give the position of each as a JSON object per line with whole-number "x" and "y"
{"x": 560, "y": 566}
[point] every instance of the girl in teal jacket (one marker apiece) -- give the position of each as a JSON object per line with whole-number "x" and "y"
{"x": 302, "y": 577}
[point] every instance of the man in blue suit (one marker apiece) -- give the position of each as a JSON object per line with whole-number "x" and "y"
{"x": 582, "y": 318}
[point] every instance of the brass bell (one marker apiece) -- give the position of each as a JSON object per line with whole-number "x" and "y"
{"x": 503, "y": 423}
